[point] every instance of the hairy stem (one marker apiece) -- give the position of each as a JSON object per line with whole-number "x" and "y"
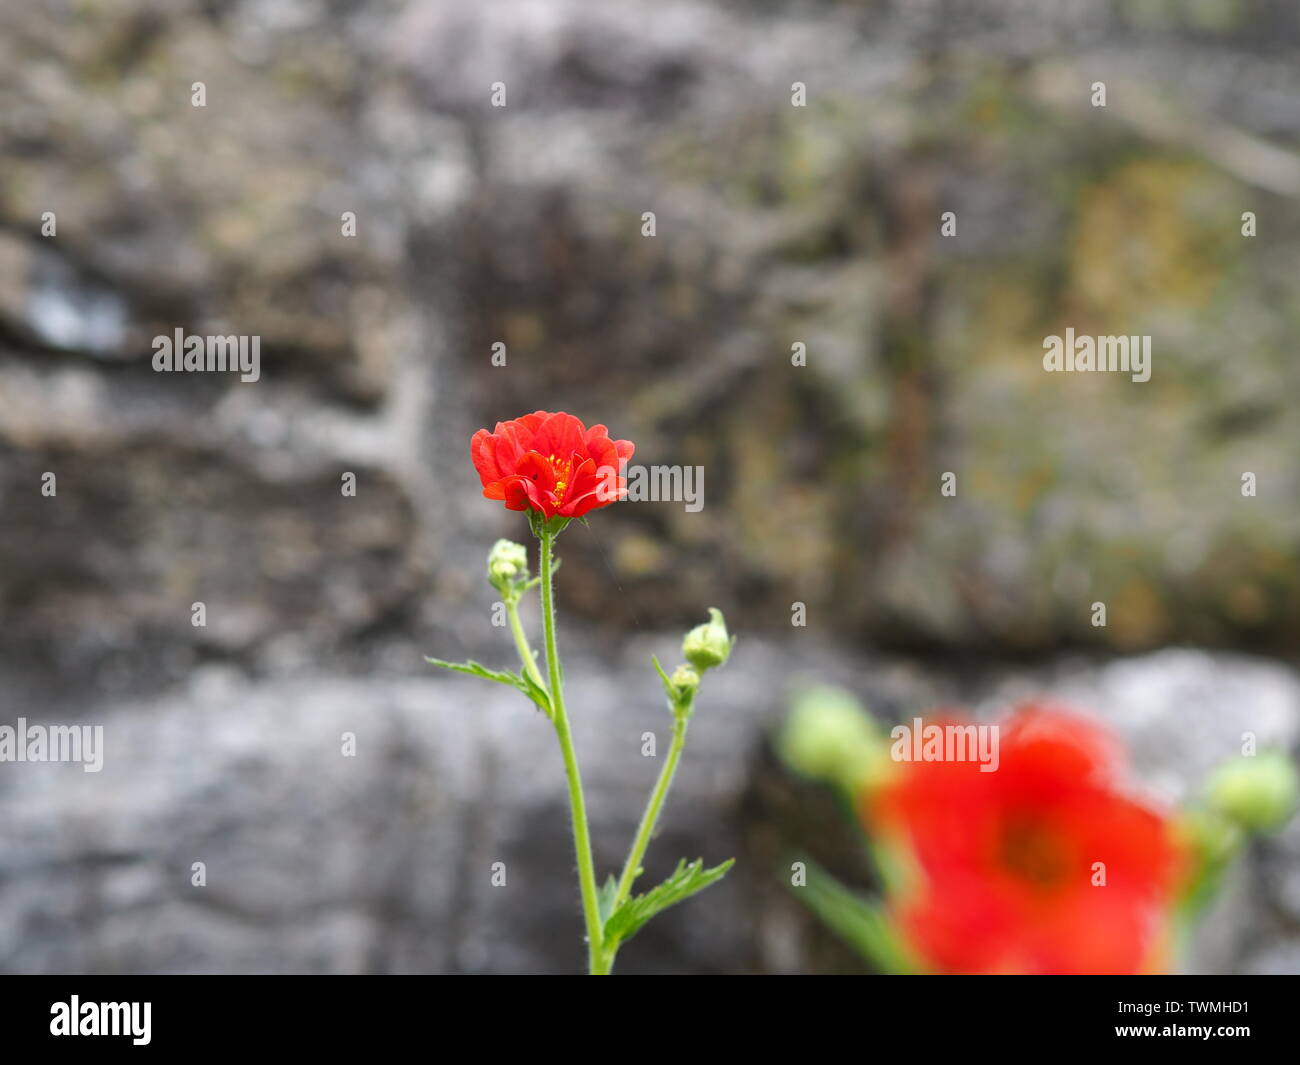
{"x": 651, "y": 815}
{"x": 632, "y": 869}
{"x": 521, "y": 643}
{"x": 581, "y": 836}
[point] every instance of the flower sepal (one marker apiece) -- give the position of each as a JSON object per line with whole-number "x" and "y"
{"x": 543, "y": 526}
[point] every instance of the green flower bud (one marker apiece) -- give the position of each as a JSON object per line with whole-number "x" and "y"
{"x": 507, "y": 561}
{"x": 708, "y": 645}
{"x": 1259, "y": 792}
{"x": 828, "y": 736}
{"x": 685, "y": 681}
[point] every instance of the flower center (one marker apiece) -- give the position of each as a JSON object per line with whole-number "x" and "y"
{"x": 562, "y": 472}
{"x": 1032, "y": 852}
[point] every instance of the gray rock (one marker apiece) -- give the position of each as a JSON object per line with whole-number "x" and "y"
{"x": 477, "y": 225}
{"x": 383, "y": 862}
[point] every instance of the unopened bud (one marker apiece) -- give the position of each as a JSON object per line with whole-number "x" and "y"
{"x": 708, "y": 645}
{"x": 1259, "y": 792}
{"x": 507, "y": 561}
{"x": 828, "y": 736}
{"x": 685, "y": 681}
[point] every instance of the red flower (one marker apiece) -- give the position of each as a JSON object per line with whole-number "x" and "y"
{"x": 1008, "y": 882}
{"x": 551, "y": 463}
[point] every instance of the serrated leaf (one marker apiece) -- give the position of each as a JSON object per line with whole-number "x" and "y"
{"x": 519, "y": 681}
{"x": 476, "y": 669}
{"x": 685, "y": 881}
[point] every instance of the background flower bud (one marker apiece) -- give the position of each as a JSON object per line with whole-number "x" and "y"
{"x": 1259, "y": 793}
{"x": 828, "y": 736}
{"x": 708, "y": 645}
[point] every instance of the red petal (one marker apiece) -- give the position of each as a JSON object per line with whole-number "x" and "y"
{"x": 560, "y": 435}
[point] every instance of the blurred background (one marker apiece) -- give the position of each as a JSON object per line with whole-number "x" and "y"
{"x": 776, "y": 225}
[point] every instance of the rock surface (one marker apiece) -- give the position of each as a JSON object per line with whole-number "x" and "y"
{"x": 776, "y": 225}
{"x": 476, "y": 225}
{"x": 383, "y": 862}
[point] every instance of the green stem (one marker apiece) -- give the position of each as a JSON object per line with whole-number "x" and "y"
{"x": 521, "y": 643}
{"x": 651, "y": 815}
{"x": 581, "y": 837}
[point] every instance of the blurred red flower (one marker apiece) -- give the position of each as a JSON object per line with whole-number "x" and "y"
{"x": 551, "y": 463}
{"x": 1008, "y": 881}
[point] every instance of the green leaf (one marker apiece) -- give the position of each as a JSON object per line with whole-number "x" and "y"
{"x": 860, "y": 923}
{"x": 535, "y": 692}
{"x": 474, "y": 669}
{"x": 605, "y": 898}
{"x": 686, "y": 880}
{"x": 520, "y": 682}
